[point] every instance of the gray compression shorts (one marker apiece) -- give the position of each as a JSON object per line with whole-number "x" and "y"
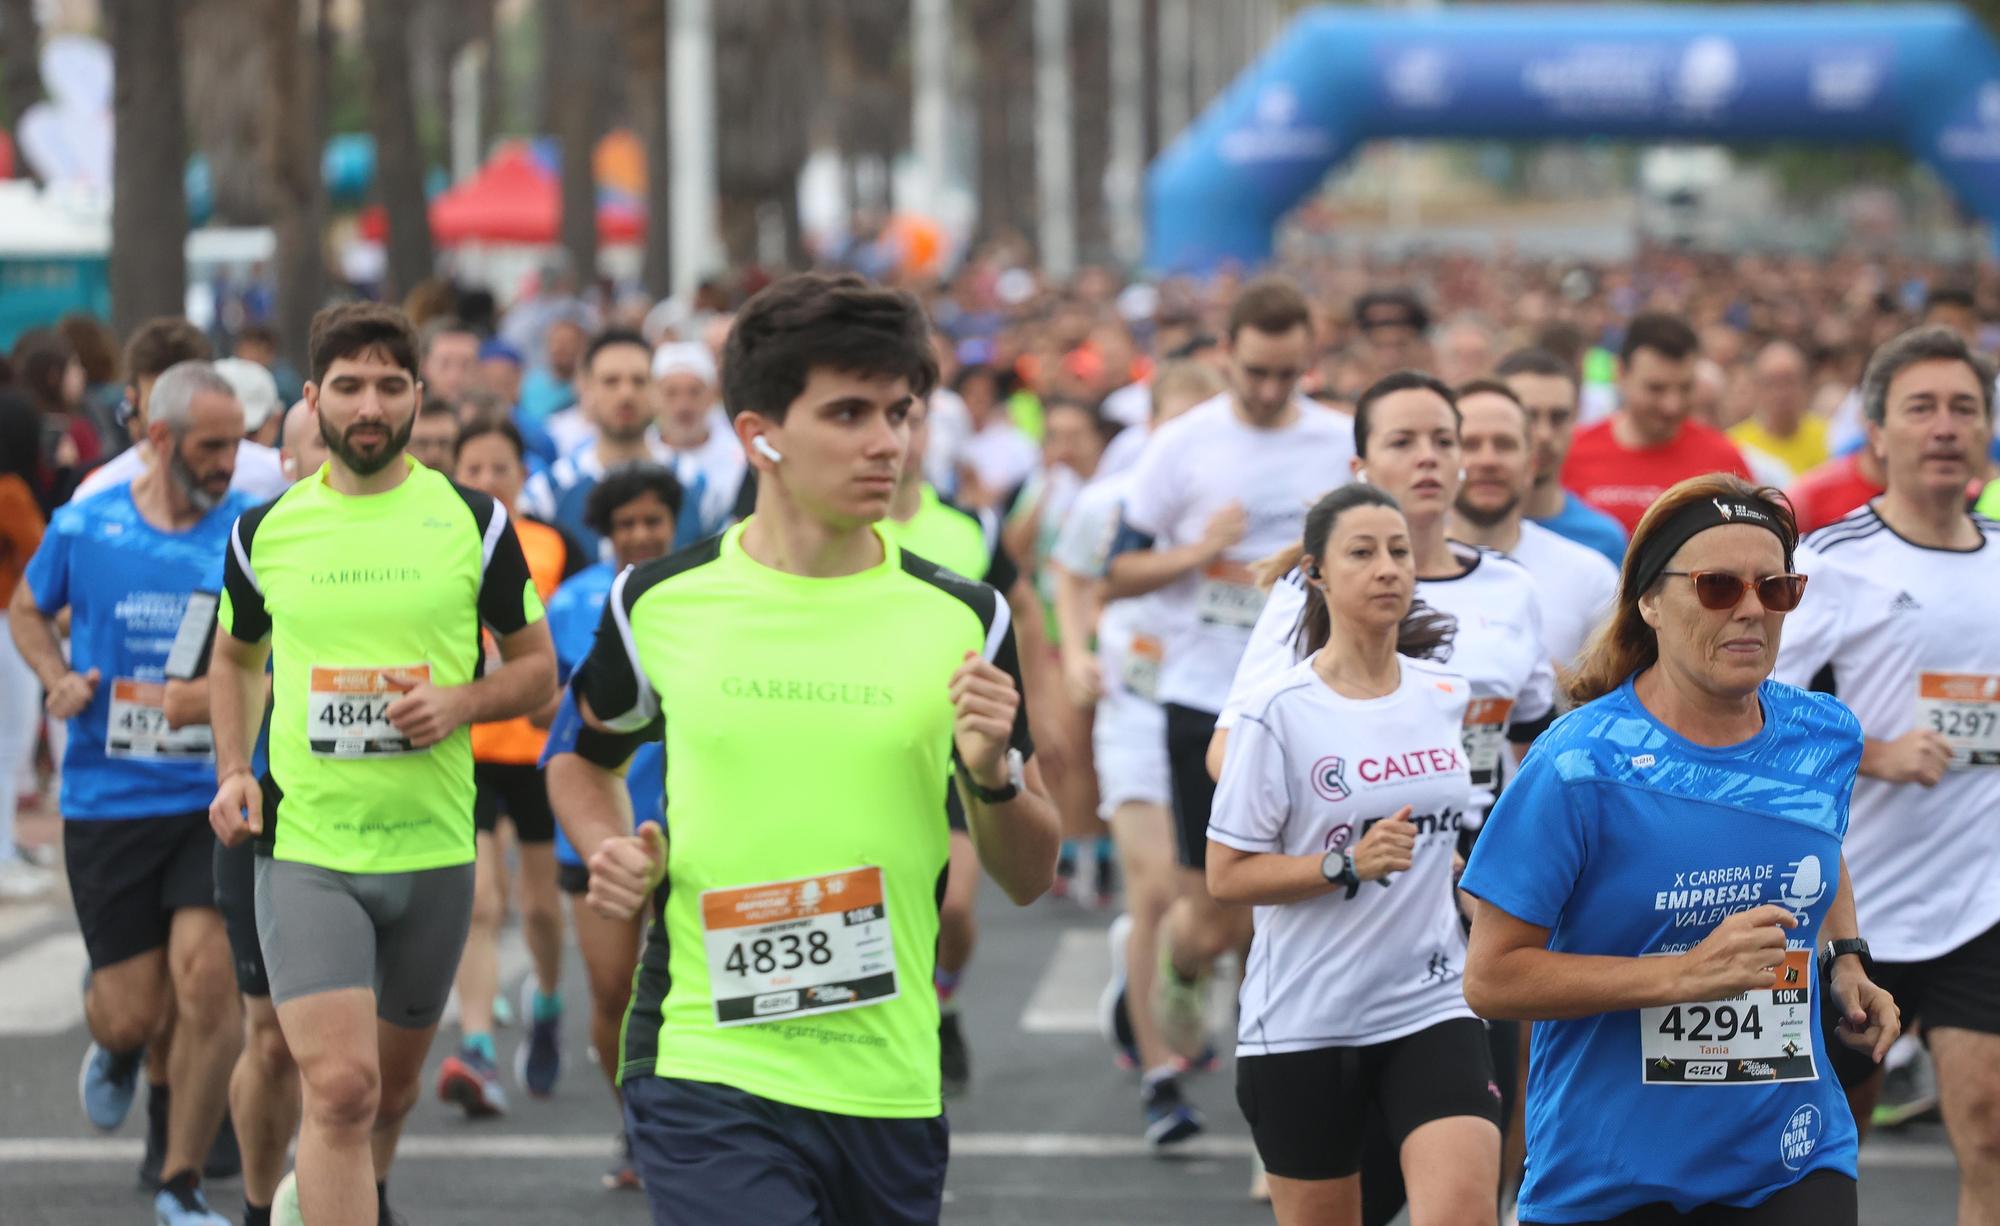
{"x": 399, "y": 934}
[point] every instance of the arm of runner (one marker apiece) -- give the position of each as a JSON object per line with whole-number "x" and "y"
{"x": 1138, "y": 566}
{"x": 1017, "y": 839}
{"x": 67, "y": 692}
{"x": 1869, "y": 1018}
{"x": 1077, "y": 608}
{"x": 1919, "y": 756}
{"x": 235, "y": 701}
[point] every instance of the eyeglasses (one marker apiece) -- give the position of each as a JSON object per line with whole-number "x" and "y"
{"x": 1720, "y": 590}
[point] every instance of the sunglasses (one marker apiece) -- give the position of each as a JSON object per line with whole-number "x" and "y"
{"x": 1719, "y": 590}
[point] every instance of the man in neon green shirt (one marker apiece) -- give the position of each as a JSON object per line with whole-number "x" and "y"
{"x": 368, "y": 584}
{"x": 816, "y": 687}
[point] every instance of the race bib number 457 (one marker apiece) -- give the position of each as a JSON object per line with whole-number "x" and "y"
{"x": 1761, "y": 1036}
{"x": 792, "y": 948}
{"x": 347, "y": 710}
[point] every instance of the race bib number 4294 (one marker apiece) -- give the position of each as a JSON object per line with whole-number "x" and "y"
{"x": 792, "y": 948}
{"x": 1761, "y": 1036}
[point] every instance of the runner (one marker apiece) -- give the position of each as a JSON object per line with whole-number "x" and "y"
{"x": 21, "y": 526}
{"x": 434, "y": 436}
{"x": 1622, "y": 464}
{"x": 137, "y": 846}
{"x": 302, "y": 450}
{"x": 1577, "y": 585}
{"x": 1782, "y": 424}
{"x": 780, "y": 1059}
{"x": 967, "y": 544}
{"x": 1547, "y": 387}
{"x": 1933, "y": 758}
{"x": 692, "y": 424}
{"x": 1652, "y": 889}
{"x": 491, "y": 459}
{"x": 1217, "y": 488}
{"x": 158, "y": 345}
{"x": 1121, "y": 679}
{"x": 1351, "y": 1004}
{"x": 369, "y": 579}
{"x": 616, "y": 399}
{"x": 634, "y": 509}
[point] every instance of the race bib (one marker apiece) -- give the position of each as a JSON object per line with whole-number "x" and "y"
{"x": 1760, "y": 1036}
{"x": 347, "y": 710}
{"x": 1964, "y": 708}
{"x": 795, "y": 948}
{"x": 137, "y": 729}
{"x": 1141, "y": 673}
{"x": 1485, "y": 739}
{"x": 1228, "y": 596}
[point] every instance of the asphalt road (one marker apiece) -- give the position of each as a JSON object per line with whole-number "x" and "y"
{"x": 1048, "y": 1135}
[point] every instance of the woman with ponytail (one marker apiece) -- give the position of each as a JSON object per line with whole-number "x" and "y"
{"x": 1337, "y": 818}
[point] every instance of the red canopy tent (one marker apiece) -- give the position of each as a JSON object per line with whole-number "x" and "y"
{"x": 513, "y": 199}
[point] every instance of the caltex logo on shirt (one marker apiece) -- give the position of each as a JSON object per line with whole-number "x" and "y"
{"x": 1329, "y": 779}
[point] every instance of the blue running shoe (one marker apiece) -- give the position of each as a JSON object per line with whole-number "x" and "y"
{"x": 470, "y": 1081}
{"x": 107, "y": 1084}
{"x": 538, "y": 1060}
{"x": 1169, "y": 1119}
{"x": 180, "y": 1203}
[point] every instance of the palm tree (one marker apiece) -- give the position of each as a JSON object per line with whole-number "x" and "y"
{"x": 148, "y": 209}
{"x": 386, "y": 26}
{"x": 19, "y": 47}
{"x": 293, "y": 133}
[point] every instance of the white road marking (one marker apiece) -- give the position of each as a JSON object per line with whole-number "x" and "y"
{"x": 21, "y": 1151}
{"x": 1065, "y": 1000}
{"x": 41, "y": 986}
{"x": 17, "y": 918}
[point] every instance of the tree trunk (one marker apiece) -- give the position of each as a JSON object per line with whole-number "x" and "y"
{"x": 148, "y": 209}
{"x": 398, "y": 158}
{"x": 227, "y": 82}
{"x": 580, "y": 64}
{"x": 1005, "y": 94}
{"x": 1090, "y": 103}
{"x": 20, "y": 49}
{"x": 293, "y": 134}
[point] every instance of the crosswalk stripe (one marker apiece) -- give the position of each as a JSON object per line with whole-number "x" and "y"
{"x": 1881, "y": 1154}
{"x": 41, "y": 986}
{"x": 1065, "y": 1000}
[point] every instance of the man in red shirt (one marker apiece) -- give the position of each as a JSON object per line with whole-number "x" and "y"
{"x": 1621, "y": 464}
{"x": 1834, "y": 488}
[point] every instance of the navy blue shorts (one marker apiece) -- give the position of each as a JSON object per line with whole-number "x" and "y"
{"x": 712, "y": 1155}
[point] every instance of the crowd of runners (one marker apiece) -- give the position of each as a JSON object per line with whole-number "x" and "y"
{"x": 1565, "y": 703}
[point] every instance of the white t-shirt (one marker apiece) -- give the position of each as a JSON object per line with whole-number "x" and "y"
{"x": 259, "y": 471}
{"x": 1194, "y": 466}
{"x": 1001, "y": 456}
{"x": 1123, "y": 451}
{"x": 1915, "y": 640}
{"x": 1129, "y": 646}
{"x": 950, "y": 425}
{"x": 721, "y": 463}
{"x": 1498, "y": 649}
{"x": 1309, "y": 771}
{"x": 1579, "y": 586}
{"x": 1130, "y": 405}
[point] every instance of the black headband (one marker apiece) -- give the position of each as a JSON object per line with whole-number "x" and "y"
{"x": 1698, "y": 517}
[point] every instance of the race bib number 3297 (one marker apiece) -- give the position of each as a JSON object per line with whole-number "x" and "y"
{"x": 792, "y": 948}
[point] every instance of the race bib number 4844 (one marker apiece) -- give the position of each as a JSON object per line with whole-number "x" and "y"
{"x": 1761, "y": 1036}
{"x": 347, "y": 710}
{"x": 792, "y": 948}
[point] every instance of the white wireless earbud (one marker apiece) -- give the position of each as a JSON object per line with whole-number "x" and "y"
{"x": 1361, "y": 475}
{"x": 764, "y": 448}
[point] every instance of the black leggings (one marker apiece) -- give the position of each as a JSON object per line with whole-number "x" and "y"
{"x": 1823, "y": 1198}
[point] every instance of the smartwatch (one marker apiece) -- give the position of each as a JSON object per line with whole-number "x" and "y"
{"x": 1016, "y": 780}
{"x": 1840, "y": 949}
{"x": 1337, "y": 866}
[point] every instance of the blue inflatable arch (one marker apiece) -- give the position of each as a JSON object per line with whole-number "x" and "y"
{"x": 1924, "y": 77}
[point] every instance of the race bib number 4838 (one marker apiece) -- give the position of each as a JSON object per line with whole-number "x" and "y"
{"x": 792, "y": 948}
{"x": 1761, "y": 1036}
{"x": 347, "y": 710}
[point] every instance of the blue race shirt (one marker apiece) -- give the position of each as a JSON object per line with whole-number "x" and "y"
{"x": 126, "y": 584}
{"x": 560, "y": 496}
{"x": 574, "y": 613}
{"x": 1624, "y": 839}
{"x": 1586, "y": 525}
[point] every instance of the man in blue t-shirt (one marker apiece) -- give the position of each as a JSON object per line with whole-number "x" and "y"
{"x": 1548, "y": 390}
{"x": 135, "y": 790}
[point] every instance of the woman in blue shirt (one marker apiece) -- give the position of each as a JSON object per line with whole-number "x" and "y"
{"x": 1652, "y": 889}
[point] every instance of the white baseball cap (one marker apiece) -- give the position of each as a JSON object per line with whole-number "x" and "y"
{"x": 684, "y": 358}
{"x": 255, "y": 387}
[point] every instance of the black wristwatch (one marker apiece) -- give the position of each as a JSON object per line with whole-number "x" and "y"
{"x": 1840, "y": 949}
{"x": 1337, "y": 866}
{"x": 1016, "y": 780}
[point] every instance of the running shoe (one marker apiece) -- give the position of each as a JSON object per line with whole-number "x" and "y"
{"x": 1114, "y": 1022}
{"x": 1207, "y": 1060}
{"x": 181, "y": 1203}
{"x": 469, "y": 1080}
{"x": 1105, "y": 883}
{"x": 1169, "y": 1119}
{"x": 106, "y": 1086}
{"x": 624, "y": 1173}
{"x": 285, "y": 1203}
{"x": 538, "y": 1060}
{"x": 1181, "y": 1006}
{"x": 1909, "y": 1093}
{"x": 1260, "y": 1183}
{"x": 1065, "y": 883}
{"x": 503, "y": 1011}
{"x": 954, "y": 1061}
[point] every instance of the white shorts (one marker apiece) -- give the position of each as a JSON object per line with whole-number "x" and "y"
{"x": 1129, "y": 738}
